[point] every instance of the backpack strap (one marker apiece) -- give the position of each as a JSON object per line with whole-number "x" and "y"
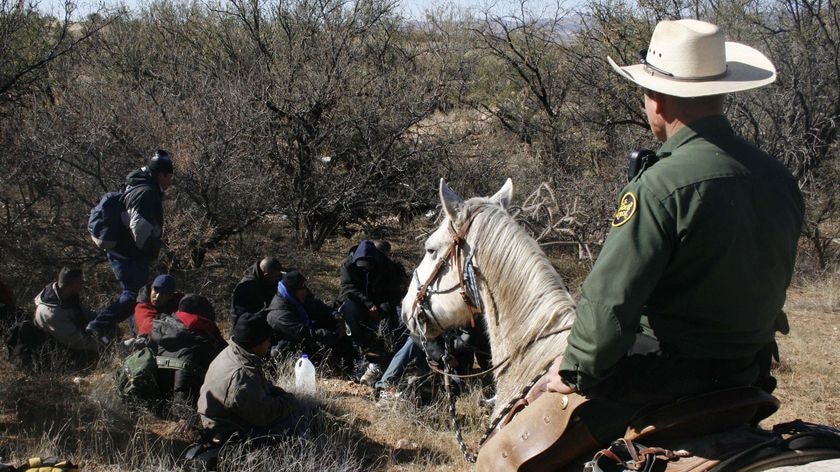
{"x": 164, "y": 362}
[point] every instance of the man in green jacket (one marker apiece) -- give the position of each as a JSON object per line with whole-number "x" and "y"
{"x": 236, "y": 397}
{"x": 687, "y": 293}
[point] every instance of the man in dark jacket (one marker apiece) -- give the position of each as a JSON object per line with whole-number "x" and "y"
{"x": 370, "y": 295}
{"x": 161, "y": 298}
{"x": 130, "y": 258}
{"x": 303, "y": 323}
{"x": 185, "y": 344}
{"x": 256, "y": 289}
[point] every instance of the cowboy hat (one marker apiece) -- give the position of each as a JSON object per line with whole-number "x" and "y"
{"x": 689, "y": 58}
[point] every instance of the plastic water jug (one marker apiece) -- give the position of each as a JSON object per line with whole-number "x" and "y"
{"x": 305, "y": 375}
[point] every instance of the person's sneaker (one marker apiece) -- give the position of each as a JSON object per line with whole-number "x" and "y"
{"x": 371, "y": 375}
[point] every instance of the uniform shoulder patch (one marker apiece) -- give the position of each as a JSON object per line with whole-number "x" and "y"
{"x": 626, "y": 209}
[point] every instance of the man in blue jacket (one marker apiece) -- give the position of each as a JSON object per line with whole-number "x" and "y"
{"x": 141, "y": 243}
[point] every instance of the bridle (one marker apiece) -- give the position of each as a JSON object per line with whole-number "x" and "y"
{"x": 468, "y": 289}
{"x": 466, "y": 277}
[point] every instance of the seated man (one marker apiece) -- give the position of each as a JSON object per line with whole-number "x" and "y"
{"x": 369, "y": 298}
{"x": 256, "y": 289}
{"x": 302, "y": 323}
{"x": 236, "y": 397}
{"x": 160, "y": 299}
{"x": 185, "y": 344}
{"x": 59, "y": 313}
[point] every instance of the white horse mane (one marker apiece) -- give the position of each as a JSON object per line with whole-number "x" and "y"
{"x": 527, "y": 306}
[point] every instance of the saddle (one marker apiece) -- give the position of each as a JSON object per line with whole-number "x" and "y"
{"x": 703, "y": 414}
{"x": 546, "y": 434}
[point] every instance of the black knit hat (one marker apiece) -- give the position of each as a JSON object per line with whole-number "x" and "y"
{"x": 197, "y": 305}
{"x": 160, "y": 162}
{"x": 250, "y": 330}
{"x": 293, "y": 280}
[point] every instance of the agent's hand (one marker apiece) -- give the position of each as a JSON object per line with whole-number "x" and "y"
{"x": 554, "y": 383}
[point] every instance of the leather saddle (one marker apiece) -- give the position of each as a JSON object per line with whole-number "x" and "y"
{"x": 547, "y": 434}
{"x": 703, "y": 414}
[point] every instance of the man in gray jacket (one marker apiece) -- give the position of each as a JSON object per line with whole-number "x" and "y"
{"x": 236, "y": 397}
{"x": 59, "y": 313}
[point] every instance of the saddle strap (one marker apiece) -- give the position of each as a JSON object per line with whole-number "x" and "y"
{"x": 164, "y": 362}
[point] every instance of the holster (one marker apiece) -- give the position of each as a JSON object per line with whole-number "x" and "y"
{"x": 544, "y": 436}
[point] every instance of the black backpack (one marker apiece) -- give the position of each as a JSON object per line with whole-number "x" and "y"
{"x": 105, "y": 224}
{"x": 22, "y": 343}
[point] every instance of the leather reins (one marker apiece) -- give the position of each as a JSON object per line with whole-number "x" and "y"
{"x": 453, "y": 253}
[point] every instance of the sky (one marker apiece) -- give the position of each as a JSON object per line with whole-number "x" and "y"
{"x": 413, "y": 9}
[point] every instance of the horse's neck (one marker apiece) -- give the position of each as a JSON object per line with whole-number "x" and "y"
{"x": 525, "y": 344}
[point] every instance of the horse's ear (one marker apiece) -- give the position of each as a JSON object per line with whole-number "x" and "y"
{"x": 451, "y": 201}
{"x": 504, "y": 195}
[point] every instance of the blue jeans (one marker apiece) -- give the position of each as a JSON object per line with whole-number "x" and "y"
{"x": 132, "y": 274}
{"x": 408, "y": 352}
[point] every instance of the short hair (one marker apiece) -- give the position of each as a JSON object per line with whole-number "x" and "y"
{"x": 382, "y": 246}
{"x": 69, "y": 274}
{"x": 270, "y": 264}
{"x": 712, "y": 102}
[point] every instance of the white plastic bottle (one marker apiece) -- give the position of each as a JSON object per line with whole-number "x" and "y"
{"x": 305, "y": 375}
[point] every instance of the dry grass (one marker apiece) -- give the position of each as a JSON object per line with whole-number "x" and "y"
{"x": 47, "y": 413}
{"x": 809, "y": 372}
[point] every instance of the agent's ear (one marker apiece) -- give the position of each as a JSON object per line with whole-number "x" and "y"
{"x": 504, "y": 195}
{"x": 452, "y": 202}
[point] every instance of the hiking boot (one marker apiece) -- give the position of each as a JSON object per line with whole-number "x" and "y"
{"x": 371, "y": 375}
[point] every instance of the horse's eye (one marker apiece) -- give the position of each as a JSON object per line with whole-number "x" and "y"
{"x": 431, "y": 252}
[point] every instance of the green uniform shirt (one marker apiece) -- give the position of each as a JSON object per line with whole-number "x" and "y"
{"x": 700, "y": 255}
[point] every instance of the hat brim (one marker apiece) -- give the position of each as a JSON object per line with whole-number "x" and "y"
{"x": 747, "y": 68}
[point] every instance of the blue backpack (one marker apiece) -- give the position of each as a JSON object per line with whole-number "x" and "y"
{"x": 106, "y": 221}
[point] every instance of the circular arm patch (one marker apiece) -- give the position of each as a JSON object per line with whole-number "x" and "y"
{"x": 626, "y": 209}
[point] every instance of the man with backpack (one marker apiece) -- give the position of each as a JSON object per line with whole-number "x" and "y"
{"x": 133, "y": 240}
{"x": 185, "y": 344}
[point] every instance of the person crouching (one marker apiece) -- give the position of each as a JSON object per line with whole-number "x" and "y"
{"x": 185, "y": 344}
{"x": 236, "y": 397}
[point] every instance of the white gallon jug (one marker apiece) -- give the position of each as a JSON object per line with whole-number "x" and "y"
{"x": 305, "y": 375}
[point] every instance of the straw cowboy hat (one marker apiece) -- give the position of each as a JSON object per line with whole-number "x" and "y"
{"x": 689, "y": 58}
